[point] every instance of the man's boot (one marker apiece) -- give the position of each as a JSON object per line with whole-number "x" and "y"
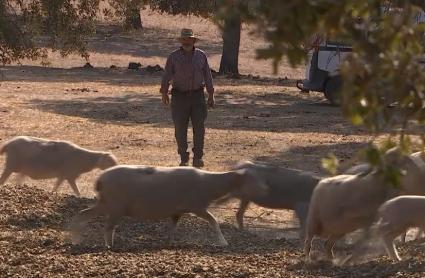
{"x": 198, "y": 163}
{"x": 184, "y": 160}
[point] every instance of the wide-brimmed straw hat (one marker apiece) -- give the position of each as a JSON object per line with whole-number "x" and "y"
{"x": 187, "y": 33}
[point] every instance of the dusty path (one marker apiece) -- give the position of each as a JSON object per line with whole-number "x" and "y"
{"x": 33, "y": 244}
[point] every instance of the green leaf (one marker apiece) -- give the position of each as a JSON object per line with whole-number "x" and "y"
{"x": 330, "y": 164}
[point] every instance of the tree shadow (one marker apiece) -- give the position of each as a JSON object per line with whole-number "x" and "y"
{"x": 148, "y": 42}
{"x": 129, "y": 109}
{"x": 295, "y": 157}
{"x": 144, "y": 43}
{"x": 63, "y": 209}
{"x": 115, "y": 76}
{"x": 271, "y": 112}
{"x": 118, "y": 76}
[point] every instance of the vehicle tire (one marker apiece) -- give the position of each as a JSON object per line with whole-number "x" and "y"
{"x": 333, "y": 89}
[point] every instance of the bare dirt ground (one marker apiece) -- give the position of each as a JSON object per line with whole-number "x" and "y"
{"x": 119, "y": 110}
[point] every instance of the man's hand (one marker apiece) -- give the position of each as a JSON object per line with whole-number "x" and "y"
{"x": 211, "y": 101}
{"x": 165, "y": 98}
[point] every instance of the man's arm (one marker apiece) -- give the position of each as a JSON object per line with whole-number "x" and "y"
{"x": 166, "y": 77}
{"x": 208, "y": 78}
{"x": 209, "y": 83}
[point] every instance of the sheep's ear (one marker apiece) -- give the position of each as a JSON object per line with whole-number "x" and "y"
{"x": 237, "y": 166}
{"x": 242, "y": 164}
{"x": 111, "y": 155}
{"x": 241, "y": 171}
{"x": 108, "y": 155}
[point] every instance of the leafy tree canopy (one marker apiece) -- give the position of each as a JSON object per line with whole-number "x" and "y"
{"x": 384, "y": 82}
{"x": 61, "y": 24}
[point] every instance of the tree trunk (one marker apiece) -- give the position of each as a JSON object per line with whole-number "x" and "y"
{"x": 231, "y": 41}
{"x": 133, "y": 19}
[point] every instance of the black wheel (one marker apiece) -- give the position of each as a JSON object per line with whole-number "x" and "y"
{"x": 333, "y": 89}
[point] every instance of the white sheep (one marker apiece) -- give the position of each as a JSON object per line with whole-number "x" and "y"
{"x": 409, "y": 187}
{"x": 287, "y": 189}
{"x": 154, "y": 193}
{"x": 45, "y": 159}
{"x": 415, "y": 162}
{"x": 359, "y": 169}
{"x": 414, "y": 182}
{"x": 396, "y": 216}
{"x": 344, "y": 203}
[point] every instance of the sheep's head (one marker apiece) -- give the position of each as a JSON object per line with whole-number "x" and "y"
{"x": 106, "y": 160}
{"x": 242, "y": 165}
{"x": 252, "y": 185}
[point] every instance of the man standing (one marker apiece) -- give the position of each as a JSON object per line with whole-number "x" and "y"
{"x": 188, "y": 71}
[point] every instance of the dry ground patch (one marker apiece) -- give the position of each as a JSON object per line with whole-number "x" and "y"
{"x": 120, "y": 110}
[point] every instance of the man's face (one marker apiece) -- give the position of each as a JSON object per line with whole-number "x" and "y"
{"x": 187, "y": 43}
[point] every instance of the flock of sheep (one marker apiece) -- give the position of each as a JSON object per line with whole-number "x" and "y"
{"x": 329, "y": 208}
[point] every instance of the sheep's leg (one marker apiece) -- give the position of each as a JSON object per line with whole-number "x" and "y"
{"x": 301, "y": 211}
{"x": 57, "y": 184}
{"x": 111, "y": 224}
{"x": 329, "y": 246}
{"x": 5, "y": 175}
{"x": 313, "y": 228}
{"x": 403, "y": 237}
{"x": 74, "y": 187}
{"x": 174, "y": 220}
{"x": 388, "y": 242}
{"x": 213, "y": 223}
{"x": 359, "y": 248}
{"x": 79, "y": 221}
{"x": 307, "y": 246}
{"x": 241, "y": 211}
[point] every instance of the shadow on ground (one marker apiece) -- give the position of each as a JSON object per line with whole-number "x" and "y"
{"x": 121, "y": 76}
{"x": 295, "y": 157}
{"x": 144, "y": 43}
{"x": 271, "y": 112}
{"x": 115, "y": 77}
{"x": 148, "y": 42}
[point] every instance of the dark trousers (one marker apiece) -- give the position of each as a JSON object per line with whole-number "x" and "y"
{"x": 185, "y": 106}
